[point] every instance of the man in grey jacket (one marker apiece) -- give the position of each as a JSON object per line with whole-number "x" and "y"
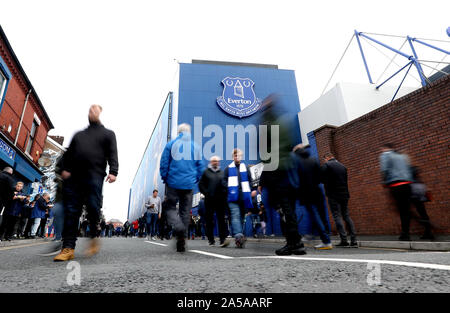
{"x": 396, "y": 172}
{"x": 153, "y": 213}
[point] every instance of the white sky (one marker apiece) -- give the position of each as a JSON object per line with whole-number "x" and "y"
{"x": 121, "y": 54}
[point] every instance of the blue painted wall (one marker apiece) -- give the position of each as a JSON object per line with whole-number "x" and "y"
{"x": 200, "y": 85}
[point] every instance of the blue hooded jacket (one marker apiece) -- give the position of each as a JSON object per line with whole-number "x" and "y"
{"x": 181, "y": 163}
{"x": 39, "y": 209}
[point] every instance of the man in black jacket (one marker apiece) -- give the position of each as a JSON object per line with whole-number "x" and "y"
{"x": 311, "y": 195}
{"x": 84, "y": 168}
{"x": 215, "y": 198}
{"x": 7, "y": 188}
{"x": 334, "y": 177}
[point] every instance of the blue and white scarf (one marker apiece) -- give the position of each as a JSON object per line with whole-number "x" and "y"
{"x": 233, "y": 181}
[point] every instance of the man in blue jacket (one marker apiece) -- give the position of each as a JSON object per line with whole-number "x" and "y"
{"x": 181, "y": 167}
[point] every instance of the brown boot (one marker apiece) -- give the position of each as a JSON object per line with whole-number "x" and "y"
{"x": 94, "y": 247}
{"x": 66, "y": 254}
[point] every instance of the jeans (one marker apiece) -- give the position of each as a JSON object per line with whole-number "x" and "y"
{"x": 339, "y": 210}
{"x": 76, "y": 194}
{"x": 179, "y": 222}
{"x": 58, "y": 219}
{"x": 34, "y": 228}
{"x": 151, "y": 224}
{"x": 237, "y": 221}
{"x": 318, "y": 223}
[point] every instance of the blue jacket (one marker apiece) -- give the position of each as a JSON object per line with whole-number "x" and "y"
{"x": 39, "y": 209}
{"x": 16, "y": 205}
{"x": 181, "y": 163}
{"x": 395, "y": 167}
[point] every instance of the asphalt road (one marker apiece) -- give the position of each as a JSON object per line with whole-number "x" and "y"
{"x": 137, "y": 265}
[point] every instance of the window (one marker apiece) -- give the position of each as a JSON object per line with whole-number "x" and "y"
{"x": 2, "y": 85}
{"x": 31, "y": 136}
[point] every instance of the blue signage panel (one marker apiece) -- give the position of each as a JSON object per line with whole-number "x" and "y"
{"x": 6, "y": 149}
{"x": 238, "y": 97}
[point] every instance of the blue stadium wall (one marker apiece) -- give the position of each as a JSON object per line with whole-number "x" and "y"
{"x": 200, "y": 85}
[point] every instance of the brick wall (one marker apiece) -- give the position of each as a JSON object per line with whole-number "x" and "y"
{"x": 417, "y": 124}
{"x": 12, "y": 109}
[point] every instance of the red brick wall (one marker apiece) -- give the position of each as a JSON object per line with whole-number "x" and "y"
{"x": 12, "y": 109}
{"x": 417, "y": 124}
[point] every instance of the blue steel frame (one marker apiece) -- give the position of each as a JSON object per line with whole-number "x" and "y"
{"x": 412, "y": 58}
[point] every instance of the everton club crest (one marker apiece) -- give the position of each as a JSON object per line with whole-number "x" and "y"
{"x": 238, "y": 97}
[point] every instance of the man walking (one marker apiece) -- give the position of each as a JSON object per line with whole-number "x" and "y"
{"x": 211, "y": 187}
{"x": 84, "y": 169}
{"x": 310, "y": 194}
{"x": 153, "y": 206}
{"x": 181, "y": 167}
{"x": 396, "y": 172}
{"x": 334, "y": 177}
{"x": 278, "y": 182}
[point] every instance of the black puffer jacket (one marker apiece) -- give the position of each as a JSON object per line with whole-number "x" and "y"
{"x": 334, "y": 177}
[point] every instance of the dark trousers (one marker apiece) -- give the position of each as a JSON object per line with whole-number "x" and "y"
{"x": 424, "y": 218}
{"x": 339, "y": 210}
{"x": 283, "y": 199}
{"x": 76, "y": 194}
{"x": 8, "y": 224}
{"x": 402, "y": 198}
{"x": 180, "y": 221}
{"x": 218, "y": 206}
{"x": 23, "y": 221}
{"x": 41, "y": 229}
{"x": 27, "y": 231}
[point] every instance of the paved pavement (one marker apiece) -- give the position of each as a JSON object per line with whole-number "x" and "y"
{"x": 137, "y": 265}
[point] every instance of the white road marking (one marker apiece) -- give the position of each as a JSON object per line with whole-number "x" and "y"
{"x": 400, "y": 263}
{"x": 155, "y": 243}
{"x": 212, "y": 254}
{"x": 411, "y": 264}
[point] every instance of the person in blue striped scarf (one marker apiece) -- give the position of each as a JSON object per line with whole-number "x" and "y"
{"x": 237, "y": 179}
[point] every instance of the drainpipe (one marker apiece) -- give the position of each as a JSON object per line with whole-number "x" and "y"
{"x": 21, "y": 118}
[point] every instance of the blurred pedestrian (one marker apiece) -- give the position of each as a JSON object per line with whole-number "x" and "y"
{"x": 211, "y": 186}
{"x": 334, "y": 177}
{"x": 84, "y": 169}
{"x": 181, "y": 167}
{"x": 276, "y": 180}
{"x": 310, "y": 194}
{"x": 397, "y": 177}
{"x": 419, "y": 196}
